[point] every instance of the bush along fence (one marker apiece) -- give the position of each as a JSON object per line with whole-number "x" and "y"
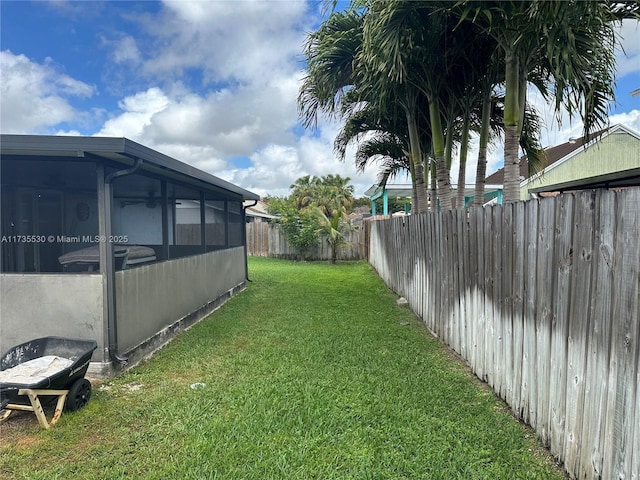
{"x": 541, "y": 299}
{"x": 267, "y": 240}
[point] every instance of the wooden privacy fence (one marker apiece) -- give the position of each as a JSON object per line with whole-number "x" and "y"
{"x": 267, "y": 240}
{"x": 541, "y": 298}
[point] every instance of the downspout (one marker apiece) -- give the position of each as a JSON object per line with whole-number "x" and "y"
{"x": 110, "y": 267}
{"x": 244, "y": 234}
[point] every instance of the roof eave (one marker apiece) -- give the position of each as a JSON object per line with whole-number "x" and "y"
{"x": 103, "y": 146}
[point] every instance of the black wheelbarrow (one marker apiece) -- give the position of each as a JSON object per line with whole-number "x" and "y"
{"x": 45, "y": 367}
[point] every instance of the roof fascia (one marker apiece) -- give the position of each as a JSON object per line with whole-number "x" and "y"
{"x": 107, "y": 147}
{"x": 165, "y": 162}
{"x": 599, "y": 181}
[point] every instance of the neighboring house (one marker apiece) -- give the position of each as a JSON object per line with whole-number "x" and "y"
{"x": 106, "y": 239}
{"x": 404, "y": 191}
{"x": 257, "y": 212}
{"x": 610, "y": 159}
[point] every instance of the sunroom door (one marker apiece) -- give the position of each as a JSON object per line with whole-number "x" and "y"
{"x": 40, "y": 218}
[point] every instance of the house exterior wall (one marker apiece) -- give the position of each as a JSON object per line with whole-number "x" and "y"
{"x": 65, "y": 305}
{"x": 153, "y": 297}
{"x": 142, "y": 225}
{"x": 152, "y": 303}
{"x": 616, "y": 152}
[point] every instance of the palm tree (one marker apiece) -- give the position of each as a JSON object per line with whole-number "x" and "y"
{"x": 302, "y": 191}
{"x": 510, "y": 26}
{"x": 379, "y": 139}
{"x": 413, "y": 46}
{"x": 333, "y": 197}
{"x": 483, "y": 142}
{"x": 571, "y": 44}
{"x": 333, "y": 228}
{"x": 335, "y": 71}
{"x": 331, "y": 53}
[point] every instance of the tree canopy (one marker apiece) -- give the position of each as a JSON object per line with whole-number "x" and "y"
{"x": 412, "y": 78}
{"x": 317, "y": 207}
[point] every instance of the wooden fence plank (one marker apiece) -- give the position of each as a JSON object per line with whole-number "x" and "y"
{"x": 507, "y": 294}
{"x": 434, "y": 274}
{"x": 635, "y": 420}
{"x": 519, "y": 256}
{"x": 498, "y": 301}
{"x": 472, "y": 299}
{"x": 489, "y": 282}
{"x": 545, "y": 287}
{"x": 421, "y": 233}
{"x": 578, "y": 325}
{"x": 480, "y": 293}
{"x": 453, "y": 303}
{"x": 465, "y": 283}
{"x": 529, "y": 339}
{"x": 542, "y": 300}
{"x": 563, "y": 259}
{"x": 599, "y": 334}
{"x": 461, "y": 275}
{"x": 623, "y": 387}
{"x": 439, "y": 285}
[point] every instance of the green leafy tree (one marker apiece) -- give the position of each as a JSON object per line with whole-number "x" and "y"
{"x": 317, "y": 207}
{"x": 300, "y": 226}
{"x": 333, "y": 199}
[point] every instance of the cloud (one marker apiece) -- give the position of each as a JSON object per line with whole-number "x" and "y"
{"x": 138, "y": 112}
{"x": 275, "y": 167}
{"x": 227, "y": 82}
{"x": 125, "y": 50}
{"x": 35, "y": 97}
{"x": 236, "y": 121}
{"x": 628, "y": 119}
{"x": 247, "y": 42}
{"x": 628, "y": 58}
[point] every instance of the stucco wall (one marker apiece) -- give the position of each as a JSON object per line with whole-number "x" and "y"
{"x": 66, "y": 305}
{"x": 153, "y": 297}
{"x": 153, "y": 302}
{"x": 614, "y": 153}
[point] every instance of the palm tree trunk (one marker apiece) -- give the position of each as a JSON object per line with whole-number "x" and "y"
{"x": 444, "y": 184}
{"x": 421, "y": 189}
{"x": 414, "y": 188}
{"x": 511, "y": 127}
{"x": 481, "y": 169}
{"x": 511, "y": 165}
{"x": 448, "y": 143}
{"x": 434, "y": 187}
{"x": 416, "y": 159}
{"x": 464, "y": 148}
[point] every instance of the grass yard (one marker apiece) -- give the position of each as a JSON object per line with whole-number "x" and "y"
{"x": 313, "y": 372}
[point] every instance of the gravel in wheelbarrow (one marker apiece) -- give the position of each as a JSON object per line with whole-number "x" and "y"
{"x": 48, "y": 367}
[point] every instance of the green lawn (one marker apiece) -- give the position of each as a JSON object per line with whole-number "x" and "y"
{"x": 313, "y": 372}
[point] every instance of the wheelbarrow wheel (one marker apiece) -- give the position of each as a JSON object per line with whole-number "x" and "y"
{"x": 4, "y": 414}
{"x": 79, "y": 395}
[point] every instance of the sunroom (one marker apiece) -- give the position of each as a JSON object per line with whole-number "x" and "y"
{"x": 106, "y": 239}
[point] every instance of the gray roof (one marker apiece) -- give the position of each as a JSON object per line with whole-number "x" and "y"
{"x": 117, "y": 149}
